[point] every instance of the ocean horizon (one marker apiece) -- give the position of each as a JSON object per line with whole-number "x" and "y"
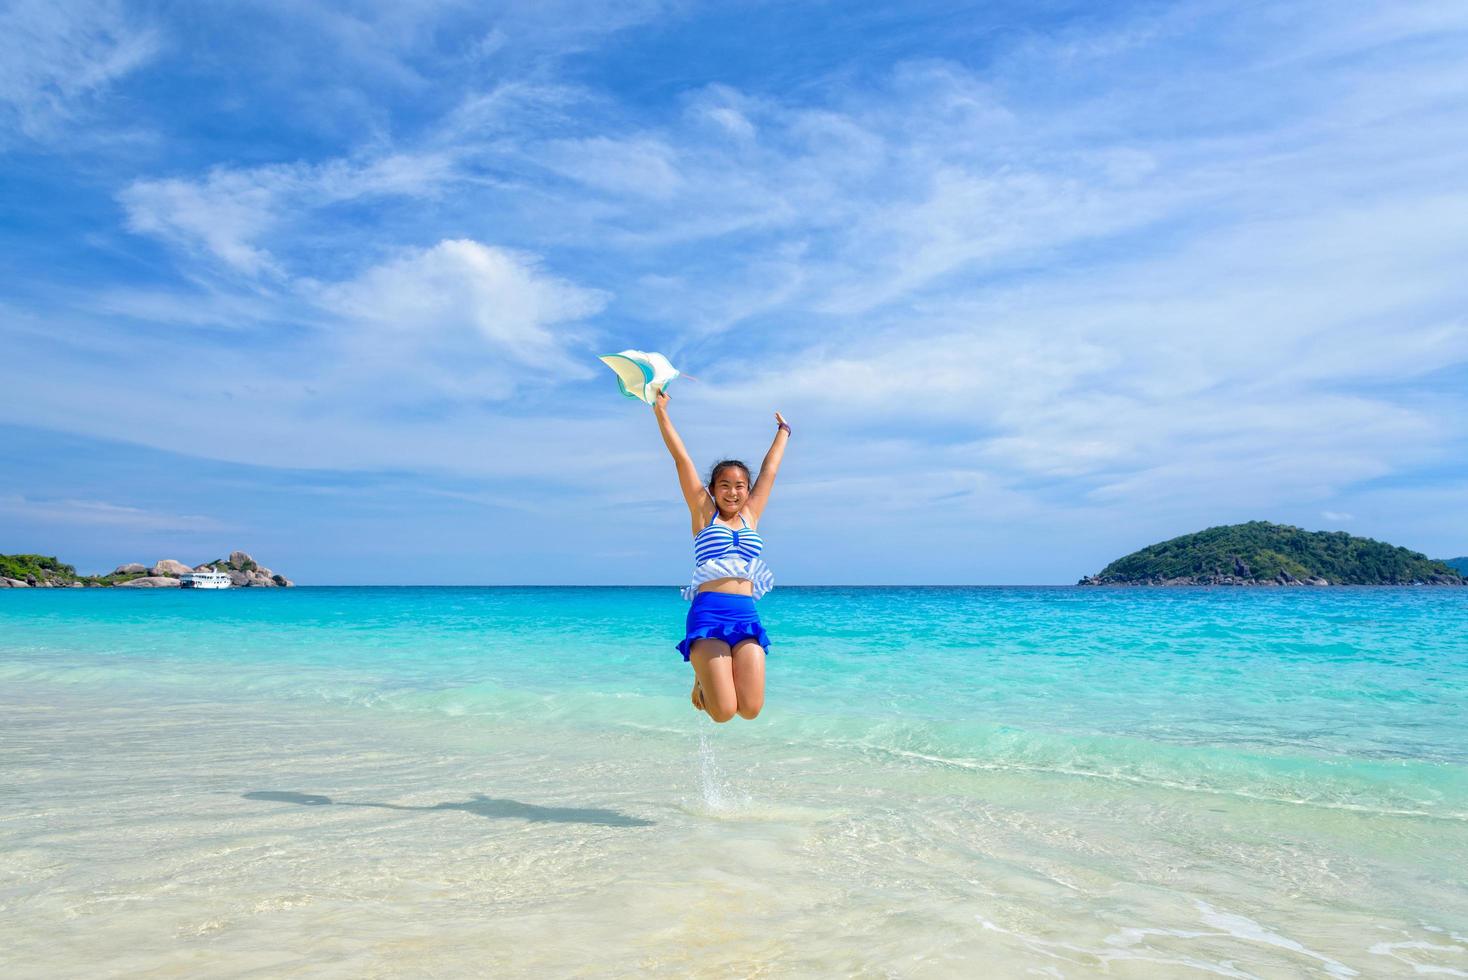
{"x": 511, "y": 779}
{"x": 783, "y": 586}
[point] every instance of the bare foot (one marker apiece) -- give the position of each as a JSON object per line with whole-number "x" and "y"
{"x": 698, "y": 697}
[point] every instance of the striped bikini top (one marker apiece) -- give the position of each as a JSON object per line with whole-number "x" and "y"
{"x": 720, "y": 541}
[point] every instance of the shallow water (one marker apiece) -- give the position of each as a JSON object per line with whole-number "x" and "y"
{"x": 1059, "y": 781}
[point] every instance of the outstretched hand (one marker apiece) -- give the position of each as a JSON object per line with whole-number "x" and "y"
{"x": 780, "y": 419}
{"x": 662, "y": 398}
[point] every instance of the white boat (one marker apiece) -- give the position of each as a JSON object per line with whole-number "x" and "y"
{"x": 204, "y": 580}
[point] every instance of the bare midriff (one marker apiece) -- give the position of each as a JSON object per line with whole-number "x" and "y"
{"x": 733, "y": 586}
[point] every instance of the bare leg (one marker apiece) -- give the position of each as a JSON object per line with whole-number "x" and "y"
{"x": 713, "y": 665}
{"x": 749, "y": 677}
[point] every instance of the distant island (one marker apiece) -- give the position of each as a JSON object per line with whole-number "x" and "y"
{"x": 1260, "y": 553}
{"x": 45, "y": 572}
{"x": 1460, "y": 565}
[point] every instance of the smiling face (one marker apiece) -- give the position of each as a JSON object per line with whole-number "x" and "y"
{"x": 730, "y": 488}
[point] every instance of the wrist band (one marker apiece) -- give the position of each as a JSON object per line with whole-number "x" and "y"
{"x": 782, "y": 425}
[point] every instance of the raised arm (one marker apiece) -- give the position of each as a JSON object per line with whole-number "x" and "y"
{"x": 760, "y": 495}
{"x": 698, "y": 500}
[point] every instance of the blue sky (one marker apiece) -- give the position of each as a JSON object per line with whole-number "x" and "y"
{"x": 1036, "y": 284}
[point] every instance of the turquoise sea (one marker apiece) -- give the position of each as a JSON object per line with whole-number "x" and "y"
{"x": 944, "y": 782}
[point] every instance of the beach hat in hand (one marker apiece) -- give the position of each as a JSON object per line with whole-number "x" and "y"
{"x": 641, "y": 374}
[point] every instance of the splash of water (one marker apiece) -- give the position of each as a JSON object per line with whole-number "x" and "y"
{"x": 710, "y": 777}
{"x": 718, "y": 794}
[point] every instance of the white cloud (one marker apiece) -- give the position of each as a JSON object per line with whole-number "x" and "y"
{"x": 222, "y": 215}
{"x": 465, "y": 307}
{"x": 55, "y": 57}
{"x": 510, "y": 106}
{"x": 626, "y": 167}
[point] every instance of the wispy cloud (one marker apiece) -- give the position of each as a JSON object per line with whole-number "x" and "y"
{"x": 58, "y": 59}
{"x": 103, "y": 514}
{"x": 227, "y": 213}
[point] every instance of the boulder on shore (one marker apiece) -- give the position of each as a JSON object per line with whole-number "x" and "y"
{"x": 131, "y": 568}
{"x": 149, "y": 582}
{"x": 167, "y": 566}
{"x": 14, "y": 583}
{"x": 238, "y": 559}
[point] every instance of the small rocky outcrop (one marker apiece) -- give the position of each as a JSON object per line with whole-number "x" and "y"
{"x": 13, "y": 583}
{"x": 149, "y": 582}
{"x": 245, "y": 573}
{"x": 131, "y": 568}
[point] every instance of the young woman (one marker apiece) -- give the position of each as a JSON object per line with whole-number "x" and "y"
{"x": 724, "y": 639}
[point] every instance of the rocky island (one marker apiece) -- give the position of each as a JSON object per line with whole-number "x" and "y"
{"x": 45, "y": 572}
{"x": 1261, "y": 553}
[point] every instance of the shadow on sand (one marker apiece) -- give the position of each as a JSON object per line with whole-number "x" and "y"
{"x": 478, "y": 804}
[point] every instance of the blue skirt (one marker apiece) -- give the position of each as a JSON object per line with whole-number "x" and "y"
{"x": 722, "y": 616}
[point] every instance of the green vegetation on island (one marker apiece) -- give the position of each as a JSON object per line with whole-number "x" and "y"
{"x": 47, "y": 570}
{"x": 1261, "y": 553}
{"x": 1459, "y": 565}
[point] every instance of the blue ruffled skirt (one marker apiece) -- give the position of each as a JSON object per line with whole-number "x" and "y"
{"x": 722, "y": 616}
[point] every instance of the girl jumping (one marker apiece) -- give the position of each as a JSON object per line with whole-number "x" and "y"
{"x": 724, "y": 639}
